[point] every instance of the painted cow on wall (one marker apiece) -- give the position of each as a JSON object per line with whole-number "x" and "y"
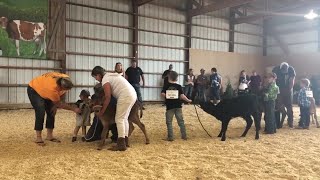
{"x": 26, "y": 31}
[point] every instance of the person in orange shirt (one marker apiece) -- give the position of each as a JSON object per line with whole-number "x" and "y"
{"x": 45, "y": 94}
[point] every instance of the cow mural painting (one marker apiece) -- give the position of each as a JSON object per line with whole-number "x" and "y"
{"x": 23, "y": 28}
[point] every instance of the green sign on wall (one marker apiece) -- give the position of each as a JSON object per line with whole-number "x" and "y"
{"x": 23, "y": 28}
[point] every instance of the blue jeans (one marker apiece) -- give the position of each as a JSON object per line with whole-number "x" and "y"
{"x": 188, "y": 90}
{"x": 169, "y": 116}
{"x": 138, "y": 91}
{"x": 202, "y": 93}
{"x": 305, "y": 117}
{"x": 41, "y": 106}
{"x": 214, "y": 93}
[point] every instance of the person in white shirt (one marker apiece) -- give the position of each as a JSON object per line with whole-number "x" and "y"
{"x": 116, "y": 85}
{"x": 189, "y": 84}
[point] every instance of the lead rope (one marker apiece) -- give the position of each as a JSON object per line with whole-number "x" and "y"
{"x": 200, "y": 122}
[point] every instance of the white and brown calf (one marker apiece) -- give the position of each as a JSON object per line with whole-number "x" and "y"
{"x": 26, "y": 31}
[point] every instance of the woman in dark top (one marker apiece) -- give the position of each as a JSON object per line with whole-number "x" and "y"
{"x": 255, "y": 82}
{"x": 244, "y": 78}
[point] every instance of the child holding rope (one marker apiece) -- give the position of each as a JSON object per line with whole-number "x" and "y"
{"x": 173, "y": 94}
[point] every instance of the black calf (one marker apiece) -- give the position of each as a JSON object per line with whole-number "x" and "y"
{"x": 243, "y": 106}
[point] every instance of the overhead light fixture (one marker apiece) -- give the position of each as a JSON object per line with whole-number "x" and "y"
{"x": 311, "y": 15}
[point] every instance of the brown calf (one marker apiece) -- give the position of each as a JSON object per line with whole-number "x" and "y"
{"x": 109, "y": 116}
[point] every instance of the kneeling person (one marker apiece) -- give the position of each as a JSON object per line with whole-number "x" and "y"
{"x": 173, "y": 93}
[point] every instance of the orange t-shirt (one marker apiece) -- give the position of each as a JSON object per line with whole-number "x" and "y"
{"x": 46, "y": 86}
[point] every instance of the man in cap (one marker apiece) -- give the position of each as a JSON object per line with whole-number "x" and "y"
{"x": 202, "y": 82}
{"x": 285, "y": 81}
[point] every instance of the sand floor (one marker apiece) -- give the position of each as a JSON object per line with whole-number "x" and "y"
{"x": 290, "y": 154}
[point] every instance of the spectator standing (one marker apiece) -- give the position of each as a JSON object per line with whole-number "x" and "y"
{"x": 285, "y": 81}
{"x": 133, "y": 75}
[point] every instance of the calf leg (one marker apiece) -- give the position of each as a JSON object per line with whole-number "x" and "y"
{"x": 105, "y": 130}
{"x": 220, "y": 134}
{"x": 143, "y": 129}
{"x": 257, "y": 123}
{"x": 249, "y": 124}
{"x": 131, "y": 128}
{"x": 18, "y": 47}
{"x": 283, "y": 116}
{"x": 225, "y": 124}
{"x": 316, "y": 119}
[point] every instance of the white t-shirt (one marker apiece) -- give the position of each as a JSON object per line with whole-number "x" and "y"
{"x": 119, "y": 85}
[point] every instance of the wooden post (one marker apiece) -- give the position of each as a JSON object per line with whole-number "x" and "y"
{"x": 135, "y": 25}
{"x": 56, "y": 30}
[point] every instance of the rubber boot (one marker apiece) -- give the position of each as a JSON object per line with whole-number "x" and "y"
{"x": 121, "y": 145}
{"x": 127, "y": 141}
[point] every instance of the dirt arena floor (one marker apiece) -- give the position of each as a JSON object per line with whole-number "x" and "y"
{"x": 290, "y": 154}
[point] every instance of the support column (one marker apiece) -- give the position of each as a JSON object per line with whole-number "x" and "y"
{"x": 231, "y": 30}
{"x": 135, "y": 30}
{"x": 318, "y": 28}
{"x": 188, "y": 33}
{"x": 265, "y": 38}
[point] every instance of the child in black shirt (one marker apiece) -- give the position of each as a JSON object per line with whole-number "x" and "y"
{"x": 173, "y": 94}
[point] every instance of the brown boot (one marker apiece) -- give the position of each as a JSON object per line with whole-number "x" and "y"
{"x": 127, "y": 141}
{"x": 121, "y": 145}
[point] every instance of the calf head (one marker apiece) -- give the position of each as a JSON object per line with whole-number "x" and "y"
{"x": 98, "y": 90}
{"x": 208, "y": 107}
{"x": 95, "y": 103}
{"x": 3, "y": 22}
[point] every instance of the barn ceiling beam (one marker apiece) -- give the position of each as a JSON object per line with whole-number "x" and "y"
{"x": 238, "y": 12}
{"x": 264, "y": 15}
{"x": 284, "y": 47}
{"x": 217, "y": 6}
{"x": 142, "y": 2}
{"x": 196, "y": 4}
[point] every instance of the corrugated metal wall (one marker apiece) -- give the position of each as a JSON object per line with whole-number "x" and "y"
{"x": 248, "y": 39}
{"x": 91, "y": 40}
{"x": 211, "y": 32}
{"x": 155, "y": 60}
{"x": 298, "y": 42}
{"x": 17, "y": 78}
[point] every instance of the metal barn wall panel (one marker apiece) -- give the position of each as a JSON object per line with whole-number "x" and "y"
{"x": 298, "y": 42}
{"x": 12, "y": 76}
{"x": 248, "y": 43}
{"x": 209, "y": 38}
{"x": 169, "y": 55}
{"x": 91, "y": 43}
